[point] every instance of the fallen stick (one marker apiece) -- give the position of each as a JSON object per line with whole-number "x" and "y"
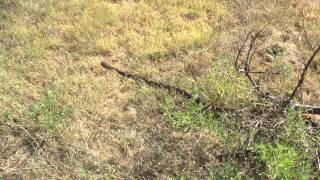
{"x": 308, "y": 109}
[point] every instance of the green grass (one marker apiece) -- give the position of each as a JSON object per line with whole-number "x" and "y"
{"x": 284, "y": 162}
{"x": 191, "y": 117}
{"x": 289, "y": 155}
{"x": 50, "y": 111}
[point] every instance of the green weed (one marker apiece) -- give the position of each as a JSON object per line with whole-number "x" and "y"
{"x": 228, "y": 171}
{"x": 179, "y": 178}
{"x": 291, "y": 154}
{"x": 284, "y": 162}
{"x": 50, "y": 111}
{"x": 192, "y": 117}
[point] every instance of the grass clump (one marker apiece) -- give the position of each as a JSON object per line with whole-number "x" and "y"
{"x": 292, "y": 153}
{"x": 223, "y": 87}
{"x": 167, "y": 29}
{"x": 191, "y": 117}
{"x": 284, "y": 162}
{"x": 50, "y": 111}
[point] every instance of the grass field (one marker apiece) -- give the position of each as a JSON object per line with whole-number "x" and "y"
{"x": 63, "y": 116}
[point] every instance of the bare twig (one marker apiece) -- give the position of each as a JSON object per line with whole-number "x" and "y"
{"x": 302, "y": 78}
{"x": 240, "y": 50}
{"x": 248, "y": 59}
{"x": 32, "y": 138}
{"x": 318, "y": 159}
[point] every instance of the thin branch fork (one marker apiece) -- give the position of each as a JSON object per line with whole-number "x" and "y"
{"x": 248, "y": 59}
{"x": 240, "y": 50}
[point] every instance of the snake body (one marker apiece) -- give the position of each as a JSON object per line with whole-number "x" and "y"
{"x": 169, "y": 88}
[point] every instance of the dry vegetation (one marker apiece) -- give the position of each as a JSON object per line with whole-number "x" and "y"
{"x": 62, "y": 116}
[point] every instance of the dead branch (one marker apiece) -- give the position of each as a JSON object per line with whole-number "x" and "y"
{"x": 240, "y": 50}
{"x": 302, "y": 78}
{"x": 251, "y": 50}
{"x": 248, "y": 59}
{"x": 239, "y": 53}
{"x": 308, "y": 109}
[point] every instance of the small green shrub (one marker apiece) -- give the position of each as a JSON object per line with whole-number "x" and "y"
{"x": 285, "y": 157}
{"x": 179, "y": 178}
{"x": 6, "y": 117}
{"x": 295, "y": 131}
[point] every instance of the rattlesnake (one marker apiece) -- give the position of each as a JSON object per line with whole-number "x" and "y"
{"x": 169, "y": 88}
{"x": 207, "y": 107}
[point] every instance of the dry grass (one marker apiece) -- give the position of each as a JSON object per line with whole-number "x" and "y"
{"x": 62, "y": 116}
